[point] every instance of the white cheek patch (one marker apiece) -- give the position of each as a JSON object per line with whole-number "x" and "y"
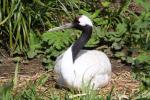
{"x": 84, "y": 20}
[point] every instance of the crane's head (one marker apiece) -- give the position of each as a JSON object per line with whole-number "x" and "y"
{"x": 78, "y": 23}
{"x": 83, "y": 21}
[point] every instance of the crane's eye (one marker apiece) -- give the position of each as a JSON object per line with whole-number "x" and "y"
{"x": 76, "y": 20}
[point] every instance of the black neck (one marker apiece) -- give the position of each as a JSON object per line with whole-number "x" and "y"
{"x": 79, "y": 44}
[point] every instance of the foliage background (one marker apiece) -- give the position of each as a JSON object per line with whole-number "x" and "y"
{"x": 122, "y": 30}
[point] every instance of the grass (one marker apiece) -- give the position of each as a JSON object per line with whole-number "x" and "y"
{"x": 34, "y": 89}
{"x": 41, "y": 86}
{"x": 19, "y": 18}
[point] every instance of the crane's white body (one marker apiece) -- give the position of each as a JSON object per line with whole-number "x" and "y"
{"x": 91, "y": 68}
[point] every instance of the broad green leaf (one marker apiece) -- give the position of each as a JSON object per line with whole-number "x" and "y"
{"x": 105, "y": 4}
{"x": 121, "y": 28}
{"x": 95, "y": 14}
{"x": 120, "y": 54}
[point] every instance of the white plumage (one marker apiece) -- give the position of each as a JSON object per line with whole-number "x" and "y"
{"x": 91, "y": 67}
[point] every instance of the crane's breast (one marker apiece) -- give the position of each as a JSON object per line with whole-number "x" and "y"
{"x": 89, "y": 64}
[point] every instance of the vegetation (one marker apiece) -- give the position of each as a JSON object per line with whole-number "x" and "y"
{"x": 120, "y": 30}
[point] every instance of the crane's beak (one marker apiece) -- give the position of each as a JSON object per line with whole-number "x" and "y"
{"x": 68, "y": 25}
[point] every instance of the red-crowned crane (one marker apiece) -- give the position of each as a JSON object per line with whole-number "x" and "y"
{"x": 76, "y": 67}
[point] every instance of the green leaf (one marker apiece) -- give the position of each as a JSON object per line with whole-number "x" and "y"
{"x": 121, "y": 28}
{"x": 95, "y": 14}
{"x": 105, "y": 4}
{"x": 83, "y": 12}
{"x": 143, "y": 57}
{"x": 116, "y": 46}
{"x": 34, "y": 45}
{"x": 129, "y": 60}
{"x": 57, "y": 39}
{"x": 120, "y": 54}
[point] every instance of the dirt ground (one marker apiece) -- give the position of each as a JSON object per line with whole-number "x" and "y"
{"x": 124, "y": 84}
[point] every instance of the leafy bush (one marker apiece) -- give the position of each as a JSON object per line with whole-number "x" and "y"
{"x": 53, "y": 44}
{"x": 120, "y": 29}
